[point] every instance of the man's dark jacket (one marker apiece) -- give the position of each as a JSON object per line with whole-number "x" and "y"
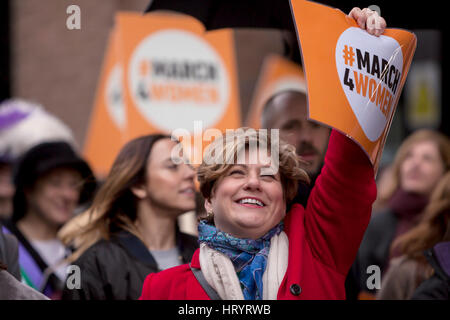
{"x": 438, "y": 286}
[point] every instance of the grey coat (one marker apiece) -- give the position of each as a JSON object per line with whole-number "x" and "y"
{"x": 12, "y": 289}
{"x": 9, "y": 253}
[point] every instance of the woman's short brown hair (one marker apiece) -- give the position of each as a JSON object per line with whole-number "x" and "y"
{"x": 224, "y": 152}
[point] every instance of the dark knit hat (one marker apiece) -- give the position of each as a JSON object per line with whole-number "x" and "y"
{"x": 38, "y": 161}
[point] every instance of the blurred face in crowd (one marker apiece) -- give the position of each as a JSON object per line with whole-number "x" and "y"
{"x": 168, "y": 185}
{"x": 288, "y": 112}
{"x": 248, "y": 200}
{"x": 422, "y": 168}
{"x": 6, "y": 190}
{"x": 55, "y": 196}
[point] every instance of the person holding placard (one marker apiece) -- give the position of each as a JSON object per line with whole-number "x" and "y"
{"x": 250, "y": 248}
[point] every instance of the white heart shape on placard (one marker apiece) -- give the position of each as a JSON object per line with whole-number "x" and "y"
{"x": 361, "y": 60}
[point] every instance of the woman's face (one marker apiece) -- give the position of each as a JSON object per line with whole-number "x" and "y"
{"x": 422, "y": 168}
{"x": 55, "y": 195}
{"x": 169, "y": 185}
{"x": 247, "y": 201}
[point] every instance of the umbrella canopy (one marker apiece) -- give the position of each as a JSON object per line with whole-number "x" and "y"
{"x": 216, "y": 14}
{"x": 276, "y": 14}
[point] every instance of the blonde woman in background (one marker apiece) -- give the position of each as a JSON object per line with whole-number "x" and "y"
{"x": 409, "y": 270}
{"x": 422, "y": 159}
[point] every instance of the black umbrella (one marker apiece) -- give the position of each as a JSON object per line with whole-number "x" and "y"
{"x": 269, "y": 14}
{"x": 276, "y": 14}
{"x": 217, "y": 14}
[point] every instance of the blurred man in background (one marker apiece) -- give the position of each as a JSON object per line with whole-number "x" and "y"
{"x": 287, "y": 111}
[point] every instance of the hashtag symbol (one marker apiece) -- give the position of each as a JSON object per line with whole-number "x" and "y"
{"x": 348, "y": 56}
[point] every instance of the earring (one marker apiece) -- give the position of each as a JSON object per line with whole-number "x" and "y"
{"x": 209, "y": 215}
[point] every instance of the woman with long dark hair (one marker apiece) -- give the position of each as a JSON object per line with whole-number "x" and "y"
{"x": 251, "y": 246}
{"x": 131, "y": 229}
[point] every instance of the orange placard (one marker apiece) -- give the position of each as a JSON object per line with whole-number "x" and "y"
{"x": 105, "y": 134}
{"x": 176, "y": 74}
{"x": 162, "y": 72}
{"x": 277, "y": 74}
{"x": 354, "y": 79}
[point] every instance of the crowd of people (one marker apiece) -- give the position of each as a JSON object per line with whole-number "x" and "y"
{"x": 305, "y": 230}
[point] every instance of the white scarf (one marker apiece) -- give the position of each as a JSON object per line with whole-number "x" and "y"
{"x": 219, "y": 272}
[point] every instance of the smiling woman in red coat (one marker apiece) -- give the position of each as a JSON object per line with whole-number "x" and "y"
{"x": 250, "y": 248}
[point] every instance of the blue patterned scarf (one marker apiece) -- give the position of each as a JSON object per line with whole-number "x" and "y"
{"x": 249, "y": 257}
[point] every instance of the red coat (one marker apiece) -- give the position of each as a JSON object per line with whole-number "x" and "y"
{"x": 323, "y": 238}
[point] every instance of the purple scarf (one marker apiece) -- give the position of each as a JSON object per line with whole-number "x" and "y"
{"x": 408, "y": 208}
